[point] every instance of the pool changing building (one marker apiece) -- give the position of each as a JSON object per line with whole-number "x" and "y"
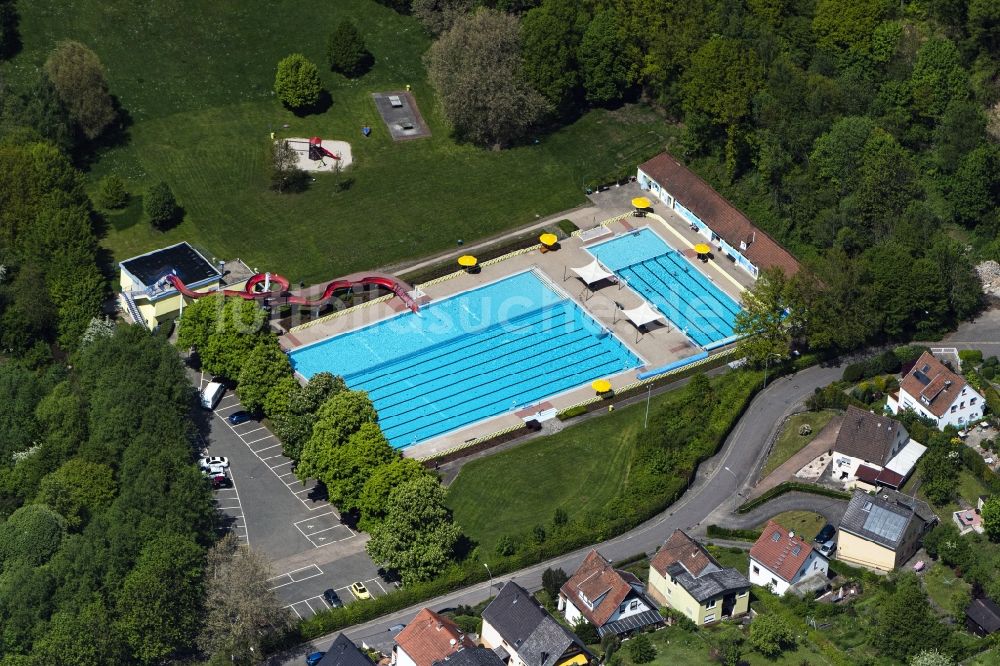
{"x": 149, "y": 300}
{"x": 726, "y": 228}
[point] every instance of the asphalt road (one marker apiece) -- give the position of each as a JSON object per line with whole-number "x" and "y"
{"x": 729, "y": 471}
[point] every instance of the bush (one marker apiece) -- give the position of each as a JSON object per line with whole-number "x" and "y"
{"x": 506, "y": 546}
{"x": 111, "y": 193}
{"x": 297, "y": 82}
{"x": 569, "y": 413}
{"x": 717, "y": 532}
{"x": 567, "y": 227}
{"x": 346, "y": 51}
{"x": 854, "y": 372}
{"x": 161, "y": 206}
{"x": 988, "y": 372}
{"x": 970, "y": 358}
{"x": 770, "y": 635}
{"x": 640, "y": 649}
{"x": 788, "y": 487}
{"x": 586, "y": 632}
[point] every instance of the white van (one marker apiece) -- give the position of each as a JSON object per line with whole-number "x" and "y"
{"x": 211, "y": 395}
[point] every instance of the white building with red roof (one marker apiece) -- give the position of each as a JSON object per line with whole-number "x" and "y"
{"x": 428, "y": 638}
{"x": 612, "y": 600}
{"x": 932, "y": 390}
{"x": 783, "y": 559}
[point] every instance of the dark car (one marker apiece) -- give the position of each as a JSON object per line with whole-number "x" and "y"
{"x": 826, "y": 533}
{"x": 239, "y": 417}
{"x": 314, "y": 658}
{"x": 331, "y": 598}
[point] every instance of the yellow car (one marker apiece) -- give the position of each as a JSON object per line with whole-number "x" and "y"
{"x": 360, "y": 591}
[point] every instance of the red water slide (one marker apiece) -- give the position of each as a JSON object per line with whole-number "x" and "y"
{"x": 284, "y": 296}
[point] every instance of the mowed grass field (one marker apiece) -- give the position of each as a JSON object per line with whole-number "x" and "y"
{"x": 196, "y": 78}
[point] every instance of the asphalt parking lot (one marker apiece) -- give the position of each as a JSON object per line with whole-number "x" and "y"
{"x": 292, "y": 523}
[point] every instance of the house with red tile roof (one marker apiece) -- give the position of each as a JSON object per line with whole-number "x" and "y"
{"x": 729, "y": 230}
{"x": 428, "y": 638}
{"x": 782, "y": 559}
{"x": 612, "y": 600}
{"x": 684, "y": 576}
{"x": 932, "y": 390}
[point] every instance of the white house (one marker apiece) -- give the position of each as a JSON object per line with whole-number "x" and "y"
{"x": 784, "y": 560}
{"x": 873, "y": 449}
{"x": 613, "y": 601}
{"x": 932, "y": 390}
{"x": 707, "y": 211}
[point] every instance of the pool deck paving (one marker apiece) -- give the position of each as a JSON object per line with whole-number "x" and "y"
{"x": 662, "y": 344}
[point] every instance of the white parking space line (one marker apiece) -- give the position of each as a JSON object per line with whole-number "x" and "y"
{"x": 297, "y": 576}
{"x": 273, "y": 446}
{"x": 268, "y": 436}
{"x": 274, "y": 467}
{"x": 250, "y": 431}
{"x": 246, "y": 532}
{"x": 292, "y": 606}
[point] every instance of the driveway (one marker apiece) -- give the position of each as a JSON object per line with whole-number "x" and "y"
{"x": 714, "y": 485}
{"x": 830, "y": 508}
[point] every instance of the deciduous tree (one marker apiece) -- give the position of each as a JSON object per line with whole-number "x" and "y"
{"x": 31, "y": 535}
{"x": 297, "y": 82}
{"x": 78, "y": 490}
{"x": 991, "y": 518}
{"x": 770, "y": 635}
{"x": 551, "y": 35}
{"x": 337, "y": 419}
{"x": 374, "y": 499}
{"x": 771, "y": 316}
{"x": 78, "y": 77}
{"x": 905, "y": 624}
{"x": 345, "y": 469}
{"x": 439, "y": 16}
{"x": 603, "y": 62}
{"x": 263, "y": 368}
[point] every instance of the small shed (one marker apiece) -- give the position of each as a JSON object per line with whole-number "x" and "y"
{"x": 982, "y": 617}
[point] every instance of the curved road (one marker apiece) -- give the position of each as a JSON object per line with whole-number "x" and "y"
{"x": 716, "y": 484}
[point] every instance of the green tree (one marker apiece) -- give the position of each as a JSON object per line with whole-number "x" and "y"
{"x": 938, "y": 77}
{"x": 338, "y": 418}
{"x": 79, "y": 80}
{"x": 439, "y": 16}
{"x": 286, "y": 176}
{"x": 477, "y": 69}
{"x": 83, "y": 638}
{"x": 224, "y": 331}
{"x": 374, "y": 499}
{"x": 846, "y": 29}
{"x": 770, "y": 635}
{"x": 837, "y": 153}
{"x": 31, "y": 535}
{"x": 344, "y": 469}
{"x": 78, "y": 490}
{"x": 551, "y": 35}
{"x": 603, "y": 63}
{"x": 160, "y": 206}
{"x": 984, "y": 25}
{"x": 263, "y": 368}
{"x": 111, "y": 193}
{"x": 552, "y": 581}
{"x": 297, "y": 82}
{"x": 991, "y": 518}
{"x": 418, "y": 536}
{"x": 975, "y": 188}
{"x": 346, "y": 50}
{"x": 770, "y": 318}
{"x": 729, "y": 640}
{"x": 10, "y": 39}
{"x": 905, "y": 624}
{"x": 931, "y": 658}
{"x": 640, "y": 649}
{"x": 160, "y": 600}
{"x": 39, "y": 107}
{"x": 585, "y": 631}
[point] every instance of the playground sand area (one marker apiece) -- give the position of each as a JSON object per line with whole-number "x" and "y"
{"x": 327, "y": 164}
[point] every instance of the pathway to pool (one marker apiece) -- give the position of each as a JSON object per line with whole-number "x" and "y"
{"x": 661, "y": 345}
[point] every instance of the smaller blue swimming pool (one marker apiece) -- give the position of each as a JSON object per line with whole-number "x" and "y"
{"x": 475, "y": 355}
{"x": 668, "y": 280}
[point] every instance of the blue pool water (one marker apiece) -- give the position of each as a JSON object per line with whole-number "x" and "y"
{"x": 668, "y": 280}
{"x": 468, "y": 357}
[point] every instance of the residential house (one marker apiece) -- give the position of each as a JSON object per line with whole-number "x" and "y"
{"x": 343, "y": 652}
{"x": 707, "y": 211}
{"x": 428, "y": 638}
{"x": 982, "y": 617}
{"x": 683, "y": 576}
{"x": 873, "y": 450}
{"x": 932, "y": 390}
{"x": 882, "y": 531}
{"x": 783, "y": 560}
{"x": 613, "y": 601}
{"x": 476, "y": 656}
{"x": 522, "y": 633}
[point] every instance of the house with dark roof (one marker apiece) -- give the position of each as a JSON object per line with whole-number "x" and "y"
{"x": 428, "y": 638}
{"x": 150, "y": 300}
{"x": 982, "y": 617}
{"x": 612, "y": 600}
{"x": 729, "y": 230}
{"x": 932, "y": 390}
{"x": 343, "y": 652}
{"x": 873, "y": 450}
{"x": 882, "y": 531}
{"x": 477, "y": 656}
{"x": 783, "y": 560}
{"x": 522, "y": 633}
{"x": 684, "y": 576}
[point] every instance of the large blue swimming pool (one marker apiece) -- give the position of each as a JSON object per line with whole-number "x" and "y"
{"x": 668, "y": 280}
{"x": 474, "y": 355}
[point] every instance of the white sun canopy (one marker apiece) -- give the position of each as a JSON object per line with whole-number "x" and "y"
{"x": 642, "y": 315}
{"x": 592, "y": 272}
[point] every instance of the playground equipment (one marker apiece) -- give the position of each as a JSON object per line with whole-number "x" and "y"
{"x": 315, "y": 148}
{"x": 284, "y": 297}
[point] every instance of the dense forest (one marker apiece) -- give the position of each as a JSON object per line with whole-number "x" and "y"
{"x": 862, "y": 133}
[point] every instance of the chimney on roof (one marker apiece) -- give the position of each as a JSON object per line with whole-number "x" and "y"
{"x": 947, "y": 383}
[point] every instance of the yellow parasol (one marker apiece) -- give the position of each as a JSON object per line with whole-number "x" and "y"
{"x": 601, "y": 385}
{"x": 467, "y": 261}
{"x": 702, "y": 248}
{"x": 641, "y": 202}
{"x": 548, "y": 239}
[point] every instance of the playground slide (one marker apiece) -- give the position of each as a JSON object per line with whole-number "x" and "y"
{"x": 249, "y": 293}
{"x": 326, "y": 152}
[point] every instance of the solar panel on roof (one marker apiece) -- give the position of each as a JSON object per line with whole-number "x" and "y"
{"x": 885, "y": 524}
{"x": 921, "y": 377}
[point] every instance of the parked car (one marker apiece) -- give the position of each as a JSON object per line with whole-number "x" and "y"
{"x": 221, "y": 481}
{"x": 826, "y": 533}
{"x": 828, "y": 548}
{"x": 359, "y": 591}
{"x": 396, "y": 628}
{"x": 331, "y": 598}
{"x": 213, "y": 461}
{"x": 314, "y": 658}
{"x": 239, "y": 417}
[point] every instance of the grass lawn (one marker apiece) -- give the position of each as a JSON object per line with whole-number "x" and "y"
{"x": 804, "y": 523}
{"x": 196, "y": 78}
{"x": 676, "y": 646}
{"x": 943, "y": 585}
{"x": 790, "y": 442}
{"x": 969, "y": 488}
{"x": 732, "y": 556}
